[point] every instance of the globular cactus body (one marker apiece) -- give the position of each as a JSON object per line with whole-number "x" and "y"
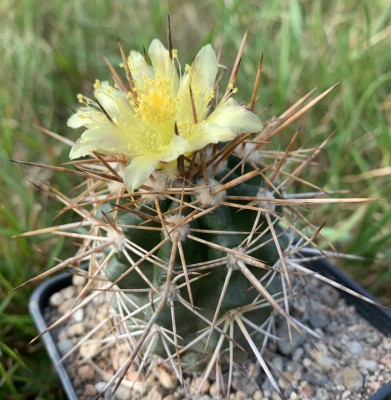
{"x": 214, "y": 292}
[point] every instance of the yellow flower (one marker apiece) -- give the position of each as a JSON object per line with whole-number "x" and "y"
{"x": 154, "y": 122}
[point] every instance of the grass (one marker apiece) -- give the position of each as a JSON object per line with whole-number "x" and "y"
{"x": 54, "y": 51}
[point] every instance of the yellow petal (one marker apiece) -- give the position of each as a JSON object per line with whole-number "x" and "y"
{"x": 139, "y": 68}
{"x": 176, "y": 148}
{"x": 235, "y": 117}
{"x": 138, "y": 171}
{"x": 162, "y": 64}
{"x": 204, "y": 134}
{"x": 160, "y": 58}
{"x": 184, "y": 111}
{"x": 202, "y": 79}
{"x": 106, "y": 138}
{"x": 204, "y": 69}
{"x": 114, "y": 103}
{"x": 87, "y": 117}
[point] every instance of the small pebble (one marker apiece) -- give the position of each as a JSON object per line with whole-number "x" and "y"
{"x": 284, "y": 381}
{"x": 355, "y": 348}
{"x": 166, "y": 378}
{"x": 319, "y": 319}
{"x": 213, "y": 389}
{"x": 68, "y": 292}
{"x": 276, "y": 396}
{"x": 119, "y": 360}
{"x": 76, "y": 329}
{"x": 197, "y": 382}
{"x": 267, "y": 388}
{"x": 86, "y": 372}
{"x": 242, "y": 381}
{"x": 240, "y": 395}
{"x": 257, "y": 395}
{"x": 322, "y": 394}
{"x": 373, "y": 340}
{"x": 387, "y": 343}
{"x": 278, "y": 363}
{"x": 56, "y": 299}
{"x": 296, "y": 375}
{"x": 132, "y": 376}
{"x": 352, "y": 379}
{"x": 293, "y": 367}
{"x": 77, "y": 380}
{"x": 316, "y": 378}
{"x": 89, "y": 390}
{"x": 64, "y": 346}
{"x": 297, "y": 354}
{"x": 346, "y": 394}
{"x": 368, "y": 365}
{"x": 308, "y": 348}
{"x": 386, "y": 360}
{"x": 325, "y": 362}
{"x": 320, "y": 356}
{"x": 306, "y": 391}
{"x": 78, "y": 315}
{"x": 154, "y": 394}
{"x": 78, "y": 280}
{"x": 284, "y": 345}
{"x": 89, "y": 349}
{"x": 99, "y": 386}
{"x": 307, "y": 362}
{"x": 66, "y": 306}
{"x": 71, "y": 371}
{"x": 123, "y": 393}
{"x": 329, "y": 295}
{"x": 63, "y": 335}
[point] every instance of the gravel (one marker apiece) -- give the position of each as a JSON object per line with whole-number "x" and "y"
{"x": 347, "y": 359}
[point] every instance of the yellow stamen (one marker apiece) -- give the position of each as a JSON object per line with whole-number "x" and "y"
{"x": 155, "y": 100}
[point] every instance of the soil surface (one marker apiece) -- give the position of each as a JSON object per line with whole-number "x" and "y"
{"x": 346, "y": 358}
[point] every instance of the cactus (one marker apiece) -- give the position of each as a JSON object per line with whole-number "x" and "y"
{"x": 184, "y": 219}
{"x": 199, "y": 242}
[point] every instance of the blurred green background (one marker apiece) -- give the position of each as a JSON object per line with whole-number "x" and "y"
{"x": 50, "y": 51}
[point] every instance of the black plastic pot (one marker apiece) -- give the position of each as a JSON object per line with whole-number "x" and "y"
{"x": 376, "y": 316}
{"x": 39, "y": 300}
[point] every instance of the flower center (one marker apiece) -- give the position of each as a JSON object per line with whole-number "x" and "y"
{"x": 155, "y": 101}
